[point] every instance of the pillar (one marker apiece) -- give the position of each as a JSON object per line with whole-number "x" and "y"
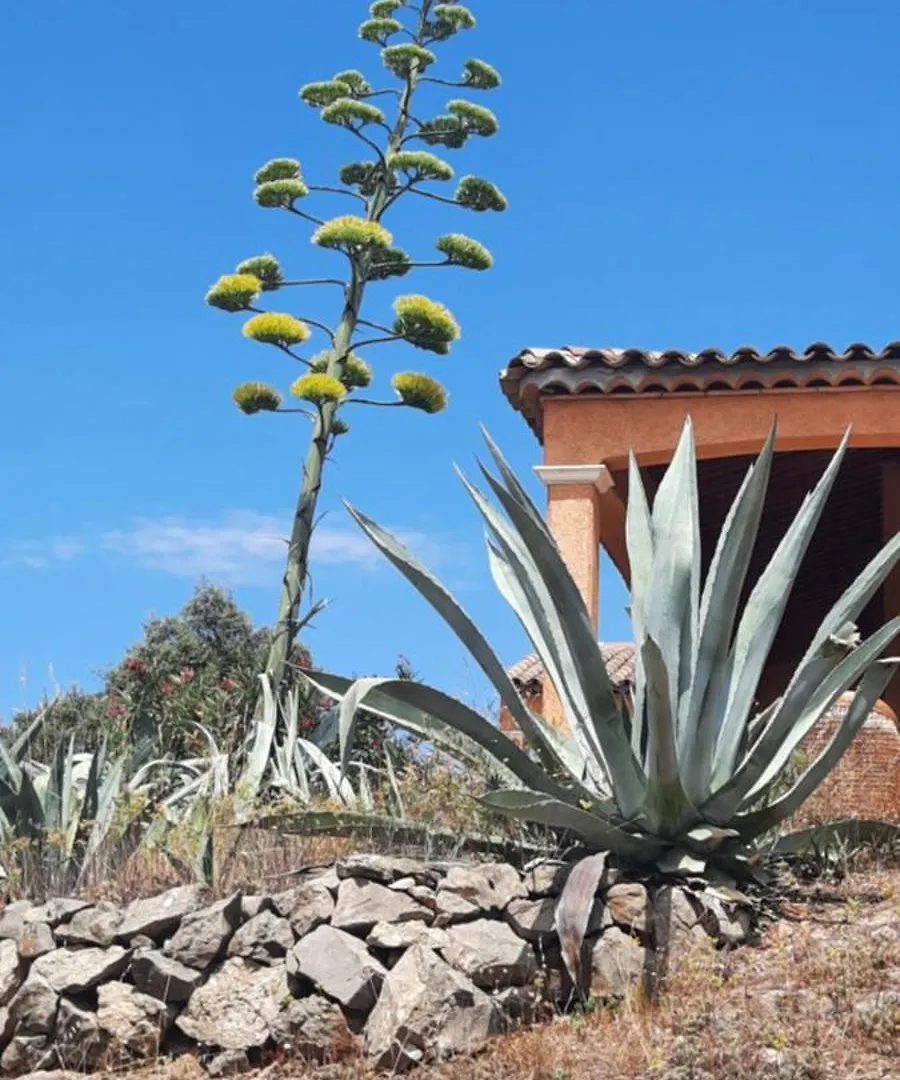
{"x": 890, "y": 526}
{"x": 573, "y": 517}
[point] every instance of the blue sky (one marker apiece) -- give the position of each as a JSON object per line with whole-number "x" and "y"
{"x": 679, "y": 176}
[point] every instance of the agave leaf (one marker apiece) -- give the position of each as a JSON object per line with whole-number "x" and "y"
{"x": 339, "y": 787}
{"x": 468, "y": 633}
{"x": 639, "y": 540}
{"x": 718, "y": 610}
{"x": 54, "y": 795}
{"x": 393, "y": 782}
{"x": 573, "y": 912}
{"x": 591, "y": 828}
{"x": 416, "y": 708}
{"x": 619, "y": 763}
{"x": 783, "y": 733}
{"x": 679, "y": 863}
{"x": 20, "y": 747}
{"x": 762, "y": 617}
{"x": 667, "y": 805}
{"x": 514, "y": 486}
{"x": 851, "y": 831}
{"x": 671, "y": 604}
{"x": 260, "y": 753}
{"x": 871, "y": 688}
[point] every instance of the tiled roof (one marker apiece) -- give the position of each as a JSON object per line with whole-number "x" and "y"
{"x": 570, "y": 370}
{"x": 618, "y": 657}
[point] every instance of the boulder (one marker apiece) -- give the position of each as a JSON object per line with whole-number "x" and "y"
{"x": 235, "y": 1009}
{"x": 726, "y": 922}
{"x": 251, "y": 906}
{"x": 427, "y": 1010}
{"x": 12, "y": 971}
{"x": 159, "y": 916}
{"x": 203, "y": 935}
{"x": 95, "y": 925}
{"x": 338, "y": 965}
{"x": 394, "y": 936}
{"x": 73, "y": 971}
{"x": 13, "y": 919}
{"x": 489, "y": 888}
{"x": 305, "y": 907}
{"x": 33, "y": 1009}
{"x": 228, "y": 1063}
{"x": 77, "y": 1040}
{"x": 28, "y": 1054}
{"x": 384, "y": 869}
{"x": 264, "y": 938}
{"x": 546, "y": 879}
{"x": 133, "y": 1024}
{"x": 55, "y": 911}
{"x": 627, "y": 905}
{"x": 313, "y": 1029}
{"x": 162, "y": 977}
{"x": 490, "y": 953}
{"x": 450, "y": 908}
{"x": 617, "y": 962}
{"x": 362, "y": 903}
{"x": 35, "y": 940}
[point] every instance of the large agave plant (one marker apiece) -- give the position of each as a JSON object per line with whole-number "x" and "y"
{"x": 685, "y": 777}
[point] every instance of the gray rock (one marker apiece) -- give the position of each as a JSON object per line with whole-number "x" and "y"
{"x": 362, "y": 903}
{"x": 451, "y": 908}
{"x": 490, "y": 953}
{"x": 77, "y": 1040}
{"x": 489, "y": 887}
{"x": 162, "y": 977}
{"x": 393, "y": 936}
{"x": 728, "y": 923}
{"x": 13, "y": 919}
{"x": 35, "y": 940}
{"x": 521, "y": 1005}
{"x": 305, "y": 907}
{"x": 546, "y": 879}
{"x": 33, "y": 1009}
{"x": 617, "y": 962}
{"x": 12, "y": 971}
{"x": 54, "y": 1074}
{"x": 133, "y": 1024}
{"x": 251, "y": 906}
{"x": 72, "y": 971}
{"x": 627, "y": 905}
{"x": 339, "y": 965}
{"x": 229, "y": 1063}
{"x": 55, "y": 911}
{"x": 28, "y": 1054}
{"x": 384, "y": 869}
{"x": 313, "y": 1029}
{"x": 235, "y": 1009}
{"x": 264, "y": 938}
{"x": 159, "y": 916}
{"x": 203, "y": 935}
{"x": 96, "y": 925}
{"x": 533, "y": 919}
{"x": 427, "y": 1010}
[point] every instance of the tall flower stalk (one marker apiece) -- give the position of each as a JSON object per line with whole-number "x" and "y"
{"x": 402, "y": 165}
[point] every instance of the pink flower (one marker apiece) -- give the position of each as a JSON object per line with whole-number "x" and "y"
{"x": 228, "y": 685}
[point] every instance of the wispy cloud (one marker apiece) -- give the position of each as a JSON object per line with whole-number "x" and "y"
{"x": 239, "y": 548}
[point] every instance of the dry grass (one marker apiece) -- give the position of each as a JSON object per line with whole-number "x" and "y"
{"x": 812, "y": 1001}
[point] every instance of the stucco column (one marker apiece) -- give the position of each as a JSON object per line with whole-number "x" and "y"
{"x": 573, "y": 516}
{"x": 890, "y": 526}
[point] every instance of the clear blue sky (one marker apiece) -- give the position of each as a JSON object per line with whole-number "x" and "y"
{"x": 679, "y": 175}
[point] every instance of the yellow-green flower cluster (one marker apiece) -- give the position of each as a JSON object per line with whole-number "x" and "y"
{"x": 320, "y": 94}
{"x": 379, "y": 30}
{"x": 480, "y": 76}
{"x": 454, "y": 17}
{"x": 339, "y": 426}
{"x": 389, "y": 263}
{"x": 463, "y": 251}
{"x": 280, "y": 194}
{"x": 420, "y": 165}
{"x": 234, "y": 292}
{"x": 264, "y": 267}
{"x": 278, "y": 169}
{"x": 476, "y": 119}
{"x": 356, "y": 81}
{"x": 318, "y": 389}
{"x": 479, "y": 195}
{"x": 273, "y": 328}
{"x": 425, "y": 324}
{"x": 254, "y": 397}
{"x": 348, "y": 111}
{"x": 352, "y": 234}
{"x": 357, "y": 373}
{"x": 420, "y": 391}
{"x": 400, "y": 60}
{"x": 384, "y": 9}
{"x": 363, "y": 175}
{"x": 446, "y": 131}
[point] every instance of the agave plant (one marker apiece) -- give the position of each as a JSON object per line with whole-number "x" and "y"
{"x": 683, "y": 779}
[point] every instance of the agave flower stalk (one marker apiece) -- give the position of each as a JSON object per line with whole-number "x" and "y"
{"x": 685, "y": 779}
{"x": 403, "y": 165}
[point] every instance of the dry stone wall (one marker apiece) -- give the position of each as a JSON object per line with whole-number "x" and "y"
{"x": 401, "y": 960}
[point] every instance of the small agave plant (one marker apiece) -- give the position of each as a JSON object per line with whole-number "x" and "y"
{"x": 683, "y": 780}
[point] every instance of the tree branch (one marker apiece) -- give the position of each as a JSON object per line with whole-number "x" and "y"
{"x": 431, "y": 195}
{"x": 376, "y": 404}
{"x": 300, "y": 359}
{"x": 370, "y": 143}
{"x": 303, "y": 214}
{"x": 444, "y": 82}
{"x": 374, "y": 326}
{"x": 319, "y": 326}
{"x": 337, "y": 191}
{"x": 377, "y": 341}
{"x": 302, "y": 412}
{"x": 314, "y": 281}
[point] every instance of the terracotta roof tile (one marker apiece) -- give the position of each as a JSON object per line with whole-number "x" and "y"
{"x": 570, "y": 370}
{"x": 618, "y": 657}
